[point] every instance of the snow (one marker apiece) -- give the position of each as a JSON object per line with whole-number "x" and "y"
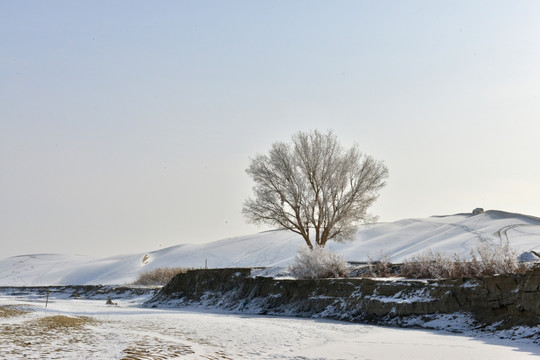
{"x": 117, "y": 331}
{"x": 276, "y": 249}
{"x": 419, "y": 295}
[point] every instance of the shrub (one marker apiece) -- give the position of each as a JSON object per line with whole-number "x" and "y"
{"x": 159, "y": 276}
{"x": 499, "y": 259}
{"x": 486, "y": 259}
{"x": 382, "y": 267}
{"x": 433, "y": 265}
{"x": 318, "y": 263}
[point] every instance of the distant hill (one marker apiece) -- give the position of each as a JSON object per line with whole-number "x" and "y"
{"x": 399, "y": 240}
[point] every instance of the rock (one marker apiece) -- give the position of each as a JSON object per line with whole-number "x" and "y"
{"x": 528, "y": 256}
{"x": 109, "y": 301}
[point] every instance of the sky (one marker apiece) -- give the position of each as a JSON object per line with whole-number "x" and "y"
{"x": 127, "y": 126}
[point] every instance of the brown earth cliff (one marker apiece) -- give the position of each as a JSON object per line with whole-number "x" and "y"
{"x": 503, "y": 301}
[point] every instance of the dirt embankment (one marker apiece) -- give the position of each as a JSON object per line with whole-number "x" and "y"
{"x": 503, "y": 301}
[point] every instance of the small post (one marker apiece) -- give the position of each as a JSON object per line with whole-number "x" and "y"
{"x": 47, "y": 301}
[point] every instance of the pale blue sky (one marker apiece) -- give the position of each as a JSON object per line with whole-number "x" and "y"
{"x": 126, "y": 126}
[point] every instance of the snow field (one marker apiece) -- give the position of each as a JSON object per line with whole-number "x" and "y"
{"x": 118, "y": 332}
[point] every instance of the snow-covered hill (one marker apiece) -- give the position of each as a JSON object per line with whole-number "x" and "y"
{"x": 400, "y": 240}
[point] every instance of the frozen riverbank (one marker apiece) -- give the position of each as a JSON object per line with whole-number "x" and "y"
{"x": 506, "y": 304}
{"x": 117, "y": 332}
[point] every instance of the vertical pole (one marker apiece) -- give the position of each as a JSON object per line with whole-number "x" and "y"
{"x": 206, "y": 263}
{"x": 47, "y": 301}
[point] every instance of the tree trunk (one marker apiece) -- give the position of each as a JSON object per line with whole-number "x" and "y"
{"x": 308, "y": 242}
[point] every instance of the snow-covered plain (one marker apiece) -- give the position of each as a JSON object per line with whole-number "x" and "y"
{"x": 399, "y": 240}
{"x": 130, "y": 331}
{"x": 118, "y": 332}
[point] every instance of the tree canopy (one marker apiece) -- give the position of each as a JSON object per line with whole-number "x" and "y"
{"x": 314, "y": 187}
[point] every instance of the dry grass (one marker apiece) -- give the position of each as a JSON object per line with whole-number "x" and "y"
{"x": 11, "y": 311}
{"x": 156, "y": 351}
{"x": 159, "y": 276}
{"x": 59, "y": 337}
{"x": 43, "y": 335}
{"x": 58, "y": 322}
{"x": 46, "y": 325}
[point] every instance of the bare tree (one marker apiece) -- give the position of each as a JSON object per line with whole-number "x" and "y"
{"x": 314, "y": 187}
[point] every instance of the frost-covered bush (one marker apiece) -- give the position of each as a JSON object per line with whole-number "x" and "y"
{"x": 318, "y": 263}
{"x": 434, "y": 266}
{"x": 380, "y": 267}
{"x": 486, "y": 259}
{"x": 501, "y": 259}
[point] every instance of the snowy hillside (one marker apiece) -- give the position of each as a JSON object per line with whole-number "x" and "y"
{"x": 399, "y": 240}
